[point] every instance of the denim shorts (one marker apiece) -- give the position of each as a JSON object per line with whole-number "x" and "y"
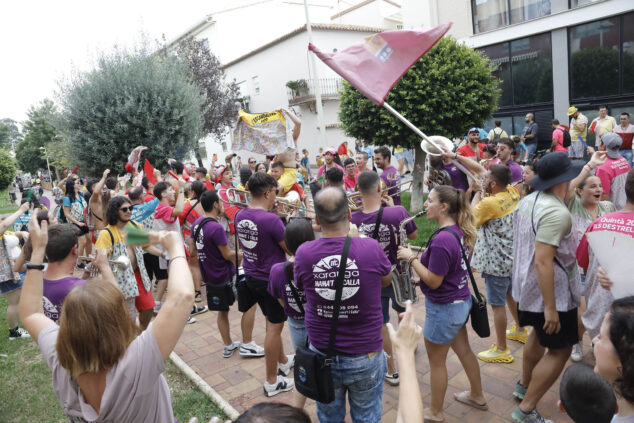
{"x": 583, "y": 284}
{"x": 387, "y": 294}
{"x": 297, "y": 328}
{"x": 444, "y": 321}
{"x": 497, "y": 288}
{"x": 10, "y": 285}
{"x": 361, "y": 376}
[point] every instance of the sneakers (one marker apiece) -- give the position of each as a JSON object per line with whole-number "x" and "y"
{"x": 252, "y": 350}
{"x": 392, "y": 379}
{"x": 282, "y": 384}
{"x": 285, "y": 368}
{"x": 514, "y": 335}
{"x": 520, "y": 391}
{"x": 190, "y": 320}
{"x": 228, "y": 350}
{"x": 198, "y": 310}
{"x": 198, "y": 297}
{"x": 577, "y": 352}
{"x": 17, "y": 333}
{"x": 519, "y": 416}
{"x": 494, "y": 355}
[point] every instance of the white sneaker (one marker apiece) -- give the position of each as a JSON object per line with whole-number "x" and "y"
{"x": 577, "y": 352}
{"x": 251, "y": 350}
{"x": 191, "y": 320}
{"x": 285, "y": 369}
{"x": 282, "y": 384}
{"x": 228, "y": 350}
{"x": 392, "y": 379}
{"x": 17, "y": 333}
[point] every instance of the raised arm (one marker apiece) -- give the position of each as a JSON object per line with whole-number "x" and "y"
{"x": 471, "y": 165}
{"x": 168, "y": 325}
{"x": 296, "y": 122}
{"x": 98, "y": 187}
{"x": 31, "y": 309}
{"x": 179, "y": 187}
{"x": 10, "y": 220}
{"x": 598, "y": 158}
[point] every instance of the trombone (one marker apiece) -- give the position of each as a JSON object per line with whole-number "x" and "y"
{"x": 354, "y": 198}
{"x": 285, "y": 205}
{"x": 120, "y": 263}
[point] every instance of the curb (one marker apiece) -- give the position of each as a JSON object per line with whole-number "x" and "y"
{"x": 231, "y": 412}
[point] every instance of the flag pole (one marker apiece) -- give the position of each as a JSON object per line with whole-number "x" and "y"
{"x": 316, "y": 87}
{"x": 420, "y": 133}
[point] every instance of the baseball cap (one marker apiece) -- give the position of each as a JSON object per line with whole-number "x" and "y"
{"x": 474, "y": 129}
{"x": 330, "y": 150}
{"x": 572, "y": 110}
{"x": 612, "y": 143}
{"x": 553, "y": 169}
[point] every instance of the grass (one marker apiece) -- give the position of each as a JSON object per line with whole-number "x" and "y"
{"x": 26, "y": 392}
{"x": 425, "y": 227}
{"x": 6, "y": 205}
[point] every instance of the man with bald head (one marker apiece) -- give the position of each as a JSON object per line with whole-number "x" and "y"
{"x": 358, "y": 344}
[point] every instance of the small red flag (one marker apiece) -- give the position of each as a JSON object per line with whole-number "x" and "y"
{"x": 149, "y": 172}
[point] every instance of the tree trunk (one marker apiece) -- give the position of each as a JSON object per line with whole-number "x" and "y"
{"x": 199, "y": 157}
{"x": 418, "y": 185}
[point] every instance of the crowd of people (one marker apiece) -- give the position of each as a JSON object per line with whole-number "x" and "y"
{"x": 108, "y": 277}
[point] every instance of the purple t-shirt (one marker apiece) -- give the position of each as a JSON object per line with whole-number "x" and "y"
{"x": 360, "y": 317}
{"x": 516, "y": 171}
{"x": 279, "y": 288}
{"x": 260, "y": 234}
{"x": 443, "y": 257}
{"x": 55, "y": 290}
{"x": 213, "y": 266}
{"x": 458, "y": 179}
{"x": 388, "y": 232}
{"x": 391, "y": 177}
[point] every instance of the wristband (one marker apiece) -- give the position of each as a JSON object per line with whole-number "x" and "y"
{"x": 411, "y": 259}
{"x": 30, "y": 266}
{"x": 175, "y": 257}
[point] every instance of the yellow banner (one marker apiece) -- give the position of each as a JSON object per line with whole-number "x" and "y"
{"x": 253, "y": 119}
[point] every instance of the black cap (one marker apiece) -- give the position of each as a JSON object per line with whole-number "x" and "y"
{"x": 553, "y": 169}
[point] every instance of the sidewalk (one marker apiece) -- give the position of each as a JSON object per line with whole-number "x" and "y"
{"x": 239, "y": 380}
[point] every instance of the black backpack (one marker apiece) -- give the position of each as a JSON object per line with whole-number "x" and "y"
{"x": 567, "y": 139}
{"x": 497, "y": 136}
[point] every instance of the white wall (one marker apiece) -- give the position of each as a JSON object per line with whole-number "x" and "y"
{"x": 279, "y": 64}
{"x": 373, "y": 14}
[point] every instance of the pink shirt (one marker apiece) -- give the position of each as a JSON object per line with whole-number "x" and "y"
{"x": 558, "y": 134}
{"x": 627, "y": 134}
{"x": 613, "y": 174}
{"x": 349, "y": 182}
{"x": 322, "y": 169}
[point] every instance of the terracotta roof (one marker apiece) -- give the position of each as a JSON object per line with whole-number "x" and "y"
{"x": 357, "y": 6}
{"x": 316, "y": 26}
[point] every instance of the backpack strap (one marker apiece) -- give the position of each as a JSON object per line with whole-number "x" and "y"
{"x": 377, "y": 225}
{"x": 288, "y": 271}
{"x": 466, "y": 262}
{"x": 201, "y": 224}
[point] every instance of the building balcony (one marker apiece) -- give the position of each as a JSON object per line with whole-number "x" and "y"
{"x": 303, "y": 91}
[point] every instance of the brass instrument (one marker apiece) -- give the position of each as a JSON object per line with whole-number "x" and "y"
{"x": 287, "y": 205}
{"x": 354, "y": 198}
{"x": 404, "y": 288}
{"x": 120, "y": 263}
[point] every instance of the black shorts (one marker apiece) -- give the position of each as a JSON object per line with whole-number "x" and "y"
{"x": 220, "y": 297}
{"x": 251, "y": 291}
{"x": 566, "y": 337}
{"x": 152, "y": 266}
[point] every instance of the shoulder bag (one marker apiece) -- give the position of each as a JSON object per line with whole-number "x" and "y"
{"x": 312, "y": 369}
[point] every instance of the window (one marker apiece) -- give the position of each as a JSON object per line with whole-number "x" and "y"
{"x": 627, "y": 44}
{"x": 579, "y": 3}
{"x": 256, "y": 85}
{"x": 492, "y": 14}
{"x": 594, "y": 59}
{"x": 524, "y": 67}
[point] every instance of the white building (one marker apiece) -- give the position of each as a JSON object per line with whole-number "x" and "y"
{"x": 263, "y": 45}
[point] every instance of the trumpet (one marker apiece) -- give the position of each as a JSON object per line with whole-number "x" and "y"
{"x": 354, "y": 198}
{"x": 285, "y": 205}
{"x": 404, "y": 288}
{"x": 119, "y": 264}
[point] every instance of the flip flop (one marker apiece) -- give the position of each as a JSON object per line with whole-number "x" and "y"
{"x": 463, "y": 397}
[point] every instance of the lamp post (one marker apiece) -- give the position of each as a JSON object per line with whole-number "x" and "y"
{"x": 48, "y": 166}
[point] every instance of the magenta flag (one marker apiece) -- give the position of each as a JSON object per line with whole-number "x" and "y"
{"x": 376, "y": 65}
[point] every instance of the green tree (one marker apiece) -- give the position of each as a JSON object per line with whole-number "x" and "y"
{"x": 38, "y": 131}
{"x": 7, "y": 169}
{"x": 131, "y": 99}
{"x": 448, "y": 90}
{"x": 220, "y": 108}
{"x": 9, "y": 133}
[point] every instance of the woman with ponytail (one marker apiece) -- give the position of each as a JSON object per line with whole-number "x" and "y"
{"x": 445, "y": 283}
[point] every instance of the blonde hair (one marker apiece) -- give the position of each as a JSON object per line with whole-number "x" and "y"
{"x": 95, "y": 328}
{"x": 460, "y": 210}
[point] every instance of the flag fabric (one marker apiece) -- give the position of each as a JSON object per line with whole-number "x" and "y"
{"x": 263, "y": 133}
{"x": 134, "y": 158}
{"x": 149, "y": 172}
{"x": 376, "y": 65}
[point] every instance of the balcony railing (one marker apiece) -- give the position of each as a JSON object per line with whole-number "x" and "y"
{"x": 329, "y": 88}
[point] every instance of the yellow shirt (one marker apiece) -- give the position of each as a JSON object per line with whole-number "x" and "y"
{"x": 288, "y": 179}
{"x": 574, "y": 132}
{"x": 496, "y": 206}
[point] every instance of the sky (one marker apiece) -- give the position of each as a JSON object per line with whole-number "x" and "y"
{"x": 43, "y": 41}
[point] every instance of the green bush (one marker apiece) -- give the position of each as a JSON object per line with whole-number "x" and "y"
{"x": 7, "y": 169}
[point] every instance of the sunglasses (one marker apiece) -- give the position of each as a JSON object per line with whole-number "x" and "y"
{"x": 251, "y": 162}
{"x": 126, "y": 209}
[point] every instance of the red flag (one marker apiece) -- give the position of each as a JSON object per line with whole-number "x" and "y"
{"x": 149, "y": 172}
{"x": 376, "y": 65}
